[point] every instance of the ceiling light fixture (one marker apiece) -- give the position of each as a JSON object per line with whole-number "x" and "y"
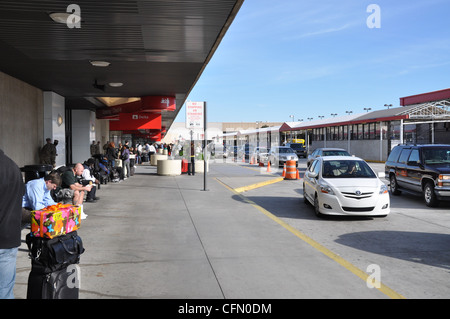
{"x": 100, "y": 63}
{"x": 115, "y": 84}
{"x": 59, "y": 17}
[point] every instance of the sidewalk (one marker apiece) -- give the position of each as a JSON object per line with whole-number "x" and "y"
{"x": 156, "y": 236}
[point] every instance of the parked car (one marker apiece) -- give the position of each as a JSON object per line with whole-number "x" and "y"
{"x": 299, "y": 149}
{"x": 278, "y": 155}
{"x": 345, "y": 185}
{"x": 325, "y": 151}
{"x": 420, "y": 169}
{"x": 259, "y": 152}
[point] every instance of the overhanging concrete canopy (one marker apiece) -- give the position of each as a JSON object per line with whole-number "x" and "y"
{"x": 154, "y": 47}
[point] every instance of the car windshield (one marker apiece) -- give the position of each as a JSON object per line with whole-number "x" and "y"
{"x": 335, "y": 153}
{"x": 285, "y": 150}
{"x": 436, "y": 156}
{"x": 347, "y": 169}
{"x": 297, "y": 146}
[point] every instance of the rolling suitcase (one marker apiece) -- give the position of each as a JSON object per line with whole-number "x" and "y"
{"x": 59, "y": 284}
{"x": 54, "y": 273}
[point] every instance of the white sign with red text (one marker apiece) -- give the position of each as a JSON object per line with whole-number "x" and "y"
{"x": 194, "y": 114}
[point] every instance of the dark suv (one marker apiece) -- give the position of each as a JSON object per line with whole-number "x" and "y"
{"x": 421, "y": 169}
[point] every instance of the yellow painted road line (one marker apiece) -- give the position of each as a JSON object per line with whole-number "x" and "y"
{"x": 341, "y": 261}
{"x": 257, "y": 185}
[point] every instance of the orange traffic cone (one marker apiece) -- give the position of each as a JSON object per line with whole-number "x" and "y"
{"x": 251, "y": 160}
{"x": 268, "y": 167}
{"x": 243, "y": 158}
{"x": 297, "y": 176}
{"x": 284, "y": 170}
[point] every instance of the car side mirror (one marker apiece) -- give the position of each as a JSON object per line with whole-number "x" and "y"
{"x": 312, "y": 174}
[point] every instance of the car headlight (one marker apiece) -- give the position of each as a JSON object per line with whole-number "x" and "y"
{"x": 443, "y": 179}
{"x": 325, "y": 188}
{"x": 383, "y": 189}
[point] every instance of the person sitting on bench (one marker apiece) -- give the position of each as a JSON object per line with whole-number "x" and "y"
{"x": 70, "y": 181}
{"x": 37, "y": 194}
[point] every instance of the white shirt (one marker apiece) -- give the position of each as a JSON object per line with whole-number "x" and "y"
{"x": 87, "y": 175}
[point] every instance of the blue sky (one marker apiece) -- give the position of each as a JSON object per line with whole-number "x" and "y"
{"x": 309, "y": 58}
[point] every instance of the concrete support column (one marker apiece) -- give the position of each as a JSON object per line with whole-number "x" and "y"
{"x": 54, "y": 124}
{"x": 83, "y": 133}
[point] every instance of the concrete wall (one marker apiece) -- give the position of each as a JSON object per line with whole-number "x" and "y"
{"x": 83, "y": 133}
{"x": 21, "y": 120}
{"x": 28, "y": 116}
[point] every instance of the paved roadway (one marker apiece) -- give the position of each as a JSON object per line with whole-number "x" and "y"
{"x": 411, "y": 245}
{"x": 164, "y": 237}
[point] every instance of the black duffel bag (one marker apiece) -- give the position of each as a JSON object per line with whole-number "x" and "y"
{"x": 49, "y": 255}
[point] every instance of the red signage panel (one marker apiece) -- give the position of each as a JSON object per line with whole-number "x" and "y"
{"x": 136, "y": 121}
{"x": 155, "y": 104}
{"x": 140, "y": 121}
{"x": 158, "y": 103}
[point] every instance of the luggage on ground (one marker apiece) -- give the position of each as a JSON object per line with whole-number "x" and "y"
{"x": 54, "y": 273}
{"x": 59, "y": 284}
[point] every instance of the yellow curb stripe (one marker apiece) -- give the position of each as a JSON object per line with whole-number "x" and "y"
{"x": 257, "y": 185}
{"x": 341, "y": 261}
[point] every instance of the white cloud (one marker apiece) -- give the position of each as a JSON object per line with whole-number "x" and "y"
{"x": 320, "y": 32}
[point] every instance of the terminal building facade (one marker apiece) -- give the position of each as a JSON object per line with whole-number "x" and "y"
{"x": 421, "y": 119}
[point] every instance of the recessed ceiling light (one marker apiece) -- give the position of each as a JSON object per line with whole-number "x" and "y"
{"x": 115, "y": 84}
{"x": 100, "y": 63}
{"x": 59, "y": 17}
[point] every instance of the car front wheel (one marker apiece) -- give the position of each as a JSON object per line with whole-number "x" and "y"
{"x": 316, "y": 206}
{"x": 429, "y": 195}
{"x": 393, "y": 185}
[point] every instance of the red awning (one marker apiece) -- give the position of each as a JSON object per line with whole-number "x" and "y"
{"x": 425, "y": 97}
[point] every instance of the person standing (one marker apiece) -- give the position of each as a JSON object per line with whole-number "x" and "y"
{"x": 93, "y": 148}
{"x": 126, "y": 160}
{"x": 12, "y": 189}
{"x": 48, "y": 153}
{"x": 192, "y": 170}
{"x": 97, "y": 148}
{"x": 105, "y": 147}
{"x": 53, "y": 158}
{"x": 111, "y": 154}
